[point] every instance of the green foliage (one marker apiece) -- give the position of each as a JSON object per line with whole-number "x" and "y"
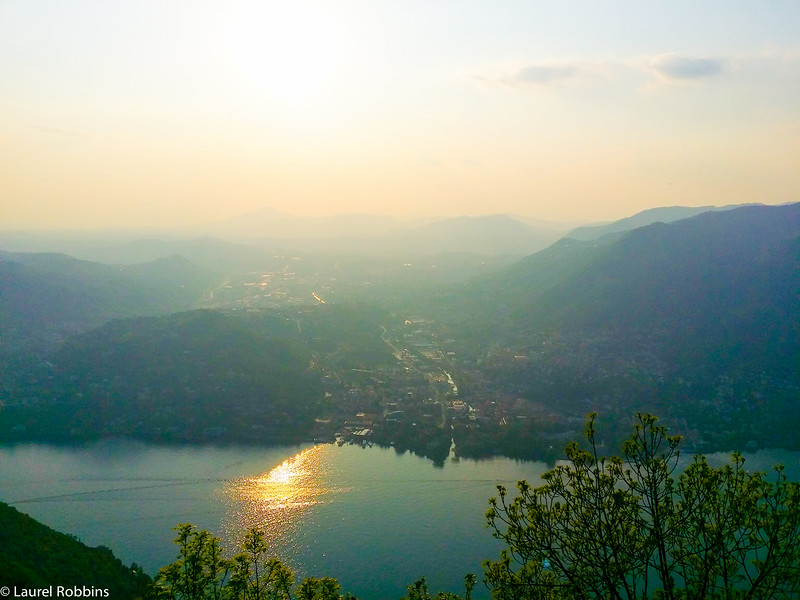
{"x": 325, "y": 588}
{"x": 34, "y": 556}
{"x": 180, "y": 377}
{"x": 202, "y": 573}
{"x": 625, "y": 527}
{"x": 419, "y": 590}
{"x": 346, "y": 335}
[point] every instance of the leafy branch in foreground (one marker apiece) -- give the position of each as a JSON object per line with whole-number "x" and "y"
{"x": 626, "y": 527}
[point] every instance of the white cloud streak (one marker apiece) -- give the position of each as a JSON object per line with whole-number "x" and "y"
{"x": 544, "y": 74}
{"x": 673, "y": 67}
{"x": 670, "y": 68}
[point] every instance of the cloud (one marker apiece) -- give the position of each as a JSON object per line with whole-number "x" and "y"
{"x": 681, "y": 68}
{"x": 538, "y": 74}
{"x": 668, "y": 68}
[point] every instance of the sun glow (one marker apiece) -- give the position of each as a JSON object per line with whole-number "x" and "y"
{"x": 276, "y": 501}
{"x": 295, "y": 483}
{"x": 289, "y": 50}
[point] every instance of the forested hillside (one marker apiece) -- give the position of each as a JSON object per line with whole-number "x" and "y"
{"x": 34, "y": 556}
{"x": 698, "y": 319}
{"x": 46, "y": 297}
{"x": 189, "y": 376}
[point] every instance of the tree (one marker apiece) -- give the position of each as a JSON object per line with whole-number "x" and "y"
{"x": 651, "y": 457}
{"x": 739, "y": 531}
{"x": 325, "y": 588}
{"x": 625, "y": 527}
{"x": 201, "y": 573}
{"x": 256, "y": 577}
{"x": 419, "y": 590}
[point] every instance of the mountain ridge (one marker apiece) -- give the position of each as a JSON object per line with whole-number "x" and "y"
{"x": 660, "y": 214}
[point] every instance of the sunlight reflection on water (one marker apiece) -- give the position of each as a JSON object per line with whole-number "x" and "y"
{"x": 279, "y": 500}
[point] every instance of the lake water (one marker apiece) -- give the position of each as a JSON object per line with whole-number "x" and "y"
{"x": 373, "y": 519}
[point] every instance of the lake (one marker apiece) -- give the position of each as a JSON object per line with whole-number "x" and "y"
{"x": 374, "y": 519}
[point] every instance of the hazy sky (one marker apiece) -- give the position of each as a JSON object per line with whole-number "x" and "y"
{"x": 161, "y": 112}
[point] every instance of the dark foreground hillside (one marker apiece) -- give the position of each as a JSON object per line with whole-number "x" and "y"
{"x": 34, "y": 556}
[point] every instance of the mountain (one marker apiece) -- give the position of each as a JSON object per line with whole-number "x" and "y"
{"x": 34, "y": 556}
{"x": 664, "y": 214}
{"x": 206, "y": 252}
{"x": 382, "y": 235}
{"x": 728, "y": 272}
{"x": 186, "y": 376}
{"x": 92, "y": 245}
{"x": 44, "y": 296}
{"x": 559, "y": 226}
{"x": 735, "y": 260}
{"x": 128, "y": 249}
{"x": 697, "y": 318}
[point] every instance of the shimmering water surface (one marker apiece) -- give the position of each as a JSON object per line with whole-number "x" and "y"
{"x": 372, "y": 518}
